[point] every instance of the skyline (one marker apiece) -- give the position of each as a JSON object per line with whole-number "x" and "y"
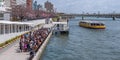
{"x": 87, "y": 6}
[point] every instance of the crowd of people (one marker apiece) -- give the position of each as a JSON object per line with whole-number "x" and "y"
{"x": 31, "y": 42}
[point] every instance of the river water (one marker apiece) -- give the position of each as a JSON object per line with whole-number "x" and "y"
{"x": 86, "y": 44}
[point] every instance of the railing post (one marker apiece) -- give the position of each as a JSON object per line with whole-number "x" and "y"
{"x": 4, "y": 28}
{"x": 11, "y": 28}
{"x": 0, "y": 29}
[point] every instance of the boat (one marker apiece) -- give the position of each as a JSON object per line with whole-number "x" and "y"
{"x": 92, "y": 24}
{"x": 61, "y": 27}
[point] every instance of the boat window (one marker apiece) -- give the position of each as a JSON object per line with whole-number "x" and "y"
{"x": 102, "y": 24}
{"x": 83, "y": 22}
{"x": 92, "y": 24}
{"x": 97, "y": 24}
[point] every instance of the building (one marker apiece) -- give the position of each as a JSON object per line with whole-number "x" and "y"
{"x": 49, "y": 6}
{"x": 29, "y": 4}
{"x": 39, "y": 7}
{"x": 35, "y": 5}
{"x": 5, "y": 10}
{"x": 21, "y": 2}
{"x": 8, "y": 9}
{"x": 10, "y": 3}
{"x": 1, "y": 9}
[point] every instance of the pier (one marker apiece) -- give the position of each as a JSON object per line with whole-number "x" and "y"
{"x": 37, "y": 25}
{"x": 14, "y": 47}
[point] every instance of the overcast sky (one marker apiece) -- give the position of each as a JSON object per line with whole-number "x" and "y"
{"x": 90, "y": 6}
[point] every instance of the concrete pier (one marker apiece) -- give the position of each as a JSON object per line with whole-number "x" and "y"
{"x": 11, "y": 52}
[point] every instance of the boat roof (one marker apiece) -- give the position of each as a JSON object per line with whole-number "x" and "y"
{"x": 89, "y": 21}
{"x": 60, "y": 23}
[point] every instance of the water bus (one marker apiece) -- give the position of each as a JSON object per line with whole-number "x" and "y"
{"x": 92, "y": 24}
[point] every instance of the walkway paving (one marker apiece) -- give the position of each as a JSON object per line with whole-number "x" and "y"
{"x": 12, "y": 53}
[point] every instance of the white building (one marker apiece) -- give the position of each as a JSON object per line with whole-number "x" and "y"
{"x": 7, "y": 27}
{"x": 1, "y": 10}
{"x": 4, "y": 13}
{"x": 6, "y": 5}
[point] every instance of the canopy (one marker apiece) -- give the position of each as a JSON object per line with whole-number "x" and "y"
{"x": 48, "y": 25}
{"x": 10, "y": 22}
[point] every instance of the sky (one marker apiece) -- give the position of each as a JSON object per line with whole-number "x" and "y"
{"x": 86, "y": 6}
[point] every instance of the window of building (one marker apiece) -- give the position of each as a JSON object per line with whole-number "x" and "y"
{"x": 1, "y": 15}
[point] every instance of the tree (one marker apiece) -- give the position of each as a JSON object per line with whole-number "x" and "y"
{"x": 18, "y": 13}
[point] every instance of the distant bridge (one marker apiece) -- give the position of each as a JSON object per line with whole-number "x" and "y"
{"x": 92, "y": 15}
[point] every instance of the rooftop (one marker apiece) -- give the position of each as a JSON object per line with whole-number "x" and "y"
{"x": 89, "y": 21}
{"x": 10, "y": 22}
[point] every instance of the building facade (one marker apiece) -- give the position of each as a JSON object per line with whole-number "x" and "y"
{"x": 29, "y": 4}
{"x": 49, "y": 6}
{"x": 35, "y": 5}
{"x": 1, "y": 9}
{"x": 10, "y": 3}
{"x": 5, "y": 6}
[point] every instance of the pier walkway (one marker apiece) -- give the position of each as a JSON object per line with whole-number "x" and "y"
{"x": 12, "y": 52}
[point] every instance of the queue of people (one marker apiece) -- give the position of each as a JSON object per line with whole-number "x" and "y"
{"x": 31, "y": 42}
